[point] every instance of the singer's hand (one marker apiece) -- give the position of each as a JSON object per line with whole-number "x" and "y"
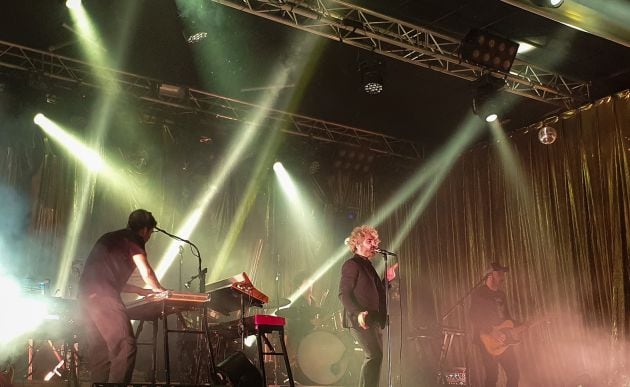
{"x": 362, "y": 318}
{"x": 143, "y": 292}
{"x": 391, "y": 272}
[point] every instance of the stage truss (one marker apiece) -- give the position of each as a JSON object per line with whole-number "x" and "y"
{"x": 192, "y": 100}
{"x": 372, "y": 31}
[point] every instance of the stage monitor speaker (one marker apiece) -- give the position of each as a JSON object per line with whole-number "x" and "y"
{"x": 240, "y": 371}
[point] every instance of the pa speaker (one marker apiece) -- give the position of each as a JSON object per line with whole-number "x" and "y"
{"x": 240, "y": 371}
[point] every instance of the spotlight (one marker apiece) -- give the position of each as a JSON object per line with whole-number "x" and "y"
{"x": 371, "y": 76}
{"x": 73, "y": 4}
{"x": 39, "y": 119}
{"x": 548, "y": 3}
{"x": 51, "y": 98}
{"x": 314, "y": 167}
{"x": 488, "y": 50}
{"x": 353, "y": 160}
{"x": 547, "y": 135}
{"x": 250, "y": 340}
{"x": 196, "y": 38}
{"x": 486, "y": 102}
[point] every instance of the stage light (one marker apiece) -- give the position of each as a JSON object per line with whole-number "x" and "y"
{"x": 547, "y": 135}
{"x": 196, "y": 38}
{"x": 20, "y": 313}
{"x": 286, "y": 183}
{"x": 548, "y": 3}
{"x": 250, "y": 340}
{"x": 524, "y": 47}
{"x": 486, "y": 101}
{"x": 353, "y": 159}
{"x": 73, "y": 4}
{"x": 488, "y": 50}
{"x": 371, "y": 76}
{"x": 92, "y": 160}
{"x": 491, "y": 117}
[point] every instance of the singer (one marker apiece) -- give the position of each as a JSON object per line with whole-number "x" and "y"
{"x": 362, "y": 293}
{"x": 111, "y": 343}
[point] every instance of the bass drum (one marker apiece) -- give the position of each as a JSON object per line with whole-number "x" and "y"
{"x": 322, "y": 358}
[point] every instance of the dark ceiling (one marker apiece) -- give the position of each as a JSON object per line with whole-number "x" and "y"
{"x": 243, "y": 54}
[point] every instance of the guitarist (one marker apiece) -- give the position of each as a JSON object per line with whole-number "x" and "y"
{"x": 488, "y": 309}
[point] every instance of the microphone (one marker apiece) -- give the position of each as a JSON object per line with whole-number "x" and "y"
{"x": 382, "y": 251}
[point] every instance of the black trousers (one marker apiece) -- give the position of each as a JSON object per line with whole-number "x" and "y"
{"x": 507, "y": 360}
{"x": 371, "y": 341}
{"x": 111, "y": 343}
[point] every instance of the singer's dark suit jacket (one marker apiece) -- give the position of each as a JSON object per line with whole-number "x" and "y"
{"x": 361, "y": 289}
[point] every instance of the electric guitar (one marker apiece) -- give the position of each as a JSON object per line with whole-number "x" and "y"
{"x": 496, "y": 347}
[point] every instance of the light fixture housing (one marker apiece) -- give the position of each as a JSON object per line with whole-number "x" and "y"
{"x": 547, "y": 135}
{"x": 548, "y": 3}
{"x": 488, "y": 50}
{"x": 486, "y": 101}
{"x": 371, "y": 71}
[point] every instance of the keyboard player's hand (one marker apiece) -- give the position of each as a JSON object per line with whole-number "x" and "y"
{"x": 150, "y": 292}
{"x": 144, "y": 292}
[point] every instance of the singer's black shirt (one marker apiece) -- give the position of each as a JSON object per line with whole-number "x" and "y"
{"x": 361, "y": 289}
{"x": 110, "y": 263}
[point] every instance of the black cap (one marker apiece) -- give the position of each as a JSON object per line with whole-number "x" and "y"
{"x": 496, "y": 266}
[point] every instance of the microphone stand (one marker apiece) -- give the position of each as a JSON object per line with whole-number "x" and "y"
{"x": 389, "y": 334}
{"x": 181, "y": 266}
{"x": 446, "y": 343}
{"x": 195, "y": 250}
{"x": 214, "y": 377}
{"x": 460, "y": 302}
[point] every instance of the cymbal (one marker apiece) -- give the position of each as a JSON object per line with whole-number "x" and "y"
{"x": 280, "y": 302}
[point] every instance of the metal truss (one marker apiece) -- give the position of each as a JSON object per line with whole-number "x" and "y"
{"x": 360, "y": 27}
{"x": 191, "y": 100}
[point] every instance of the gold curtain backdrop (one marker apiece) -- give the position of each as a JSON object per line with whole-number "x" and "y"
{"x": 559, "y": 220}
{"x": 557, "y": 215}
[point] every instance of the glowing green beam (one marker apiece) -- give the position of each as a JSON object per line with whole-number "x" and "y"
{"x": 286, "y": 183}
{"x": 94, "y": 51}
{"x": 88, "y": 37}
{"x": 236, "y": 149}
{"x": 307, "y": 44}
{"x": 185, "y": 230}
{"x": 88, "y": 157}
{"x": 467, "y": 133}
{"x": 432, "y": 174}
{"x": 299, "y": 205}
{"x": 264, "y": 159}
{"x": 96, "y": 166}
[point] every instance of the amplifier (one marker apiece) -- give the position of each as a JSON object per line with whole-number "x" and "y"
{"x": 455, "y": 376}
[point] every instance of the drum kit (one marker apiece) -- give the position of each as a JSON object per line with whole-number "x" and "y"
{"x": 324, "y": 352}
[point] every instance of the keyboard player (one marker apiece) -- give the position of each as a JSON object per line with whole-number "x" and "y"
{"x": 114, "y": 257}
